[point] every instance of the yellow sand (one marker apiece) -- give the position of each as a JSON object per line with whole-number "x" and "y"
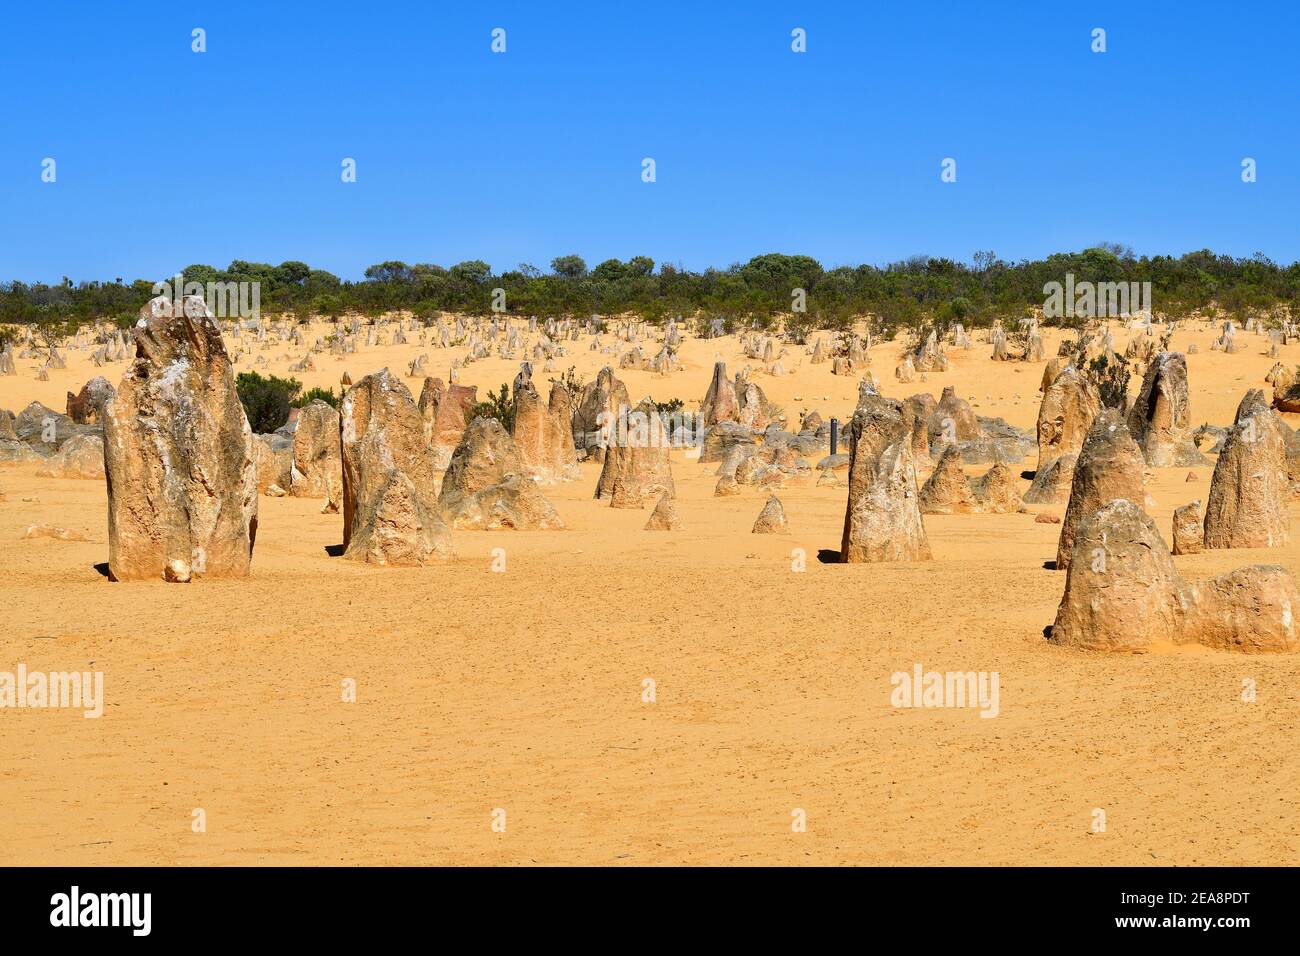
{"x": 523, "y": 690}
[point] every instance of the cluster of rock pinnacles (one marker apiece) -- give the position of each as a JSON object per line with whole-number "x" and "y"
{"x": 184, "y": 472}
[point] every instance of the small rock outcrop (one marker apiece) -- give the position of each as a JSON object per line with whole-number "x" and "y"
{"x": 664, "y": 517}
{"x": 486, "y": 488}
{"x": 726, "y": 487}
{"x": 1121, "y": 591}
{"x": 1248, "y": 610}
{"x": 996, "y": 490}
{"x": 81, "y": 456}
{"x": 947, "y": 490}
{"x": 1187, "y": 529}
{"x": 1123, "y": 594}
{"x": 87, "y": 406}
{"x": 771, "y": 520}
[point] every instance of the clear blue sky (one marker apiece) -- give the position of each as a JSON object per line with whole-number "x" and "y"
{"x": 166, "y": 157}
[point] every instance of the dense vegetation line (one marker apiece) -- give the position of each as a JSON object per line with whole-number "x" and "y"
{"x": 912, "y": 293}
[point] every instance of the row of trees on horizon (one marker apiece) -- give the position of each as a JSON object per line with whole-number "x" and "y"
{"x": 911, "y": 294}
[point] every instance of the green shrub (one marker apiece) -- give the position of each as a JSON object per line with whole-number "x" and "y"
{"x": 571, "y": 380}
{"x": 670, "y": 406}
{"x": 798, "y": 326}
{"x": 498, "y": 406}
{"x": 1111, "y": 377}
{"x": 673, "y": 416}
{"x": 266, "y": 399}
{"x": 326, "y": 395}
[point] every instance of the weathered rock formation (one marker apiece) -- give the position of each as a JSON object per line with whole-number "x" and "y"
{"x": 543, "y": 434}
{"x": 178, "y": 454}
{"x": 81, "y": 456}
{"x": 1187, "y": 529}
{"x": 602, "y": 401}
{"x": 929, "y": 355}
{"x": 999, "y": 339}
{"x": 1052, "y": 369}
{"x": 664, "y": 517}
{"x": 953, "y": 420}
{"x": 882, "y": 521}
{"x": 1287, "y": 399}
{"x": 390, "y": 514}
{"x": 1123, "y": 594}
{"x": 273, "y": 456}
{"x": 486, "y": 487}
{"x": 1034, "y": 350}
{"x": 996, "y": 491}
{"x": 1069, "y": 405}
{"x": 1109, "y": 466}
{"x": 445, "y": 411}
{"x": 316, "y": 469}
{"x": 771, "y": 520}
{"x": 721, "y": 439}
{"x": 45, "y": 430}
{"x": 1159, "y": 420}
{"x": 87, "y": 406}
{"x": 752, "y": 407}
{"x": 1246, "y": 507}
{"x": 637, "y": 468}
{"x": 1250, "y": 609}
{"x": 726, "y": 486}
{"x": 431, "y": 393}
{"x": 1283, "y": 380}
{"x": 720, "y": 403}
{"x": 947, "y": 490}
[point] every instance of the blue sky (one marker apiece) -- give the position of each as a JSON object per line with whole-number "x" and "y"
{"x": 166, "y": 157}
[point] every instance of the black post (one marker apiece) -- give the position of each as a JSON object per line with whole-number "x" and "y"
{"x": 835, "y": 435}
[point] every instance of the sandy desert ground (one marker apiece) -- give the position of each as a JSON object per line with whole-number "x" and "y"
{"x": 523, "y": 690}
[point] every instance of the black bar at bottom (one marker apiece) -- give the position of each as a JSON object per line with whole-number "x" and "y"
{"x": 338, "y": 905}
